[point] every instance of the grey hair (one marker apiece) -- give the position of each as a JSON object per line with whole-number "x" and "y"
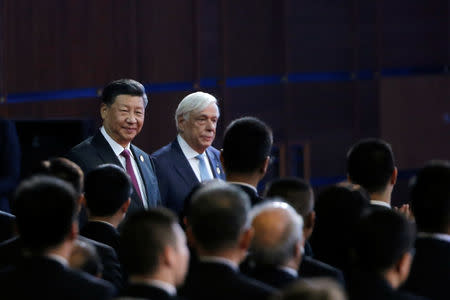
{"x": 275, "y": 255}
{"x": 194, "y": 102}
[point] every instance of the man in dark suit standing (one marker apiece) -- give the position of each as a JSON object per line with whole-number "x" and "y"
{"x": 430, "y": 203}
{"x": 107, "y": 191}
{"x": 157, "y": 260}
{"x": 220, "y": 231}
{"x": 246, "y": 154}
{"x": 190, "y": 158}
{"x": 46, "y": 211}
{"x": 122, "y": 110}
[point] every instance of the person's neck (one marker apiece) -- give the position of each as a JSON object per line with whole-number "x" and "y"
{"x": 384, "y": 195}
{"x": 251, "y": 179}
{"x": 233, "y": 255}
{"x": 114, "y": 220}
{"x": 160, "y": 275}
{"x": 62, "y": 250}
{"x": 393, "y": 278}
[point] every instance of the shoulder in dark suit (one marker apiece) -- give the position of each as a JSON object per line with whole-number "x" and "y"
{"x": 272, "y": 276}
{"x": 310, "y": 267}
{"x": 6, "y": 226}
{"x": 145, "y": 291}
{"x": 44, "y": 278}
{"x": 430, "y": 270}
{"x": 254, "y": 197}
{"x": 175, "y": 175}
{"x": 103, "y": 233}
{"x": 95, "y": 151}
{"x": 219, "y": 281}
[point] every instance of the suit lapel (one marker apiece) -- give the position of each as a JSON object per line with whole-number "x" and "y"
{"x": 142, "y": 161}
{"x": 104, "y": 150}
{"x": 182, "y": 166}
{"x": 214, "y": 163}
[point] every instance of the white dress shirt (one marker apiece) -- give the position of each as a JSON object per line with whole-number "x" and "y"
{"x": 117, "y": 150}
{"x": 191, "y": 154}
{"x": 380, "y": 203}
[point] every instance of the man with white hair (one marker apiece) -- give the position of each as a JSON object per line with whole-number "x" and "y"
{"x": 190, "y": 158}
{"x": 276, "y": 248}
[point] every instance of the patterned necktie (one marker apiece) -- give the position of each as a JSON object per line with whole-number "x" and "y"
{"x": 204, "y": 174}
{"x": 125, "y": 153}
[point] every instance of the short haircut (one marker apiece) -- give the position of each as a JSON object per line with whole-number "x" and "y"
{"x": 107, "y": 188}
{"x": 123, "y": 87}
{"x": 295, "y": 191}
{"x": 194, "y": 102}
{"x": 247, "y": 143}
{"x": 144, "y": 236}
{"x": 45, "y": 208}
{"x": 64, "y": 169}
{"x": 312, "y": 289}
{"x": 218, "y": 214}
{"x": 370, "y": 163}
{"x": 271, "y": 246}
{"x": 430, "y": 197}
{"x": 383, "y": 236}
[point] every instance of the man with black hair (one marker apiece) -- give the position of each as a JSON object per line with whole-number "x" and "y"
{"x": 154, "y": 254}
{"x": 370, "y": 164}
{"x": 430, "y": 203}
{"x": 384, "y": 244}
{"x": 220, "y": 231}
{"x": 246, "y": 154}
{"x": 122, "y": 111}
{"x": 299, "y": 194}
{"x": 46, "y": 216}
{"x": 107, "y": 191}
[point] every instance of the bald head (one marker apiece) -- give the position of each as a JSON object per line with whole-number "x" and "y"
{"x": 278, "y": 231}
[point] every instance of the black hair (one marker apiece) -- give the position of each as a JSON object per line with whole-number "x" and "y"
{"x": 123, "y": 87}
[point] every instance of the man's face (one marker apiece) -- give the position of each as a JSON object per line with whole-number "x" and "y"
{"x": 124, "y": 118}
{"x": 182, "y": 255}
{"x": 200, "y": 130}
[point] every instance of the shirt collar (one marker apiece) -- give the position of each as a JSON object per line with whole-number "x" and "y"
{"x": 58, "y": 259}
{"x": 380, "y": 203}
{"x": 187, "y": 150}
{"x": 220, "y": 260}
{"x": 438, "y": 236}
{"x": 116, "y": 147}
{"x": 244, "y": 184}
{"x": 289, "y": 270}
{"x": 165, "y": 286}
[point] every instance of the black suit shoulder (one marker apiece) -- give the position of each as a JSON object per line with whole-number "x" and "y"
{"x": 310, "y": 267}
{"x": 272, "y": 276}
{"x": 103, "y": 233}
{"x": 145, "y": 291}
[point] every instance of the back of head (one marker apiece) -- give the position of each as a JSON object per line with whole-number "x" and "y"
{"x": 370, "y": 163}
{"x": 246, "y": 145}
{"x": 64, "y": 169}
{"x": 430, "y": 197}
{"x": 45, "y": 209}
{"x": 194, "y": 102}
{"x": 107, "y": 188}
{"x": 143, "y": 239}
{"x": 313, "y": 289}
{"x": 295, "y": 191}
{"x": 278, "y": 231}
{"x": 123, "y": 87}
{"x": 218, "y": 215}
{"x": 382, "y": 238}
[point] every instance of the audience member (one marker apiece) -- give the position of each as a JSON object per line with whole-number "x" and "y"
{"x": 430, "y": 202}
{"x": 190, "y": 158}
{"x": 384, "y": 244}
{"x": 46, "y": 215}
{"x": 107, "y": 191}
{"x": 84, "y": 257}
{"x": 299, "y": 194}
{"x": 277, "y": 243}
{"x": 122, "y": 111}
{"x": 338, "y": 210}
{"x": 155, "y": 254}
{"x": 246, "y": 154}
{"x": 219, "y": 224}
{"x": 313, "y": 289}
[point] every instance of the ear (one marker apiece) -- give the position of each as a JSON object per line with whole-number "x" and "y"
{"x": 125, "y": 205}
{"x": 73, "y": 234}
{"x": 81, "y": 202}
{"x": 103, "y": 110}
{"x": 298, "y": 249}
{"x": 403, "y": 265}
{"x": 169, "y": 256}
{"x": 181, "y": 122}
{"x": 189, "y": 236}
{"x": 266, "y": 165}
{"x": 246, "y": 238}
{"x": 394, "y": 176}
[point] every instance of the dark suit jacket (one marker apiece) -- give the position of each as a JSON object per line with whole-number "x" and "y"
{"x": 219, "y": 281}
{"x": 95, "y": 151}
{"x": 103, "y": 233}
{"x": 310, "y": 267}
{"x": 44, "y": 278}
{"x": 145, "y": 291}
{"x": 175, "y": 175}
{"x": 11, "y": 255}
{"x": 272, "y": 276}
{"x": 370, "y": 287}
{"x": 6, "y": 226}
{"x": 253, "y": 195}
{"x": 430, "y": 270}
